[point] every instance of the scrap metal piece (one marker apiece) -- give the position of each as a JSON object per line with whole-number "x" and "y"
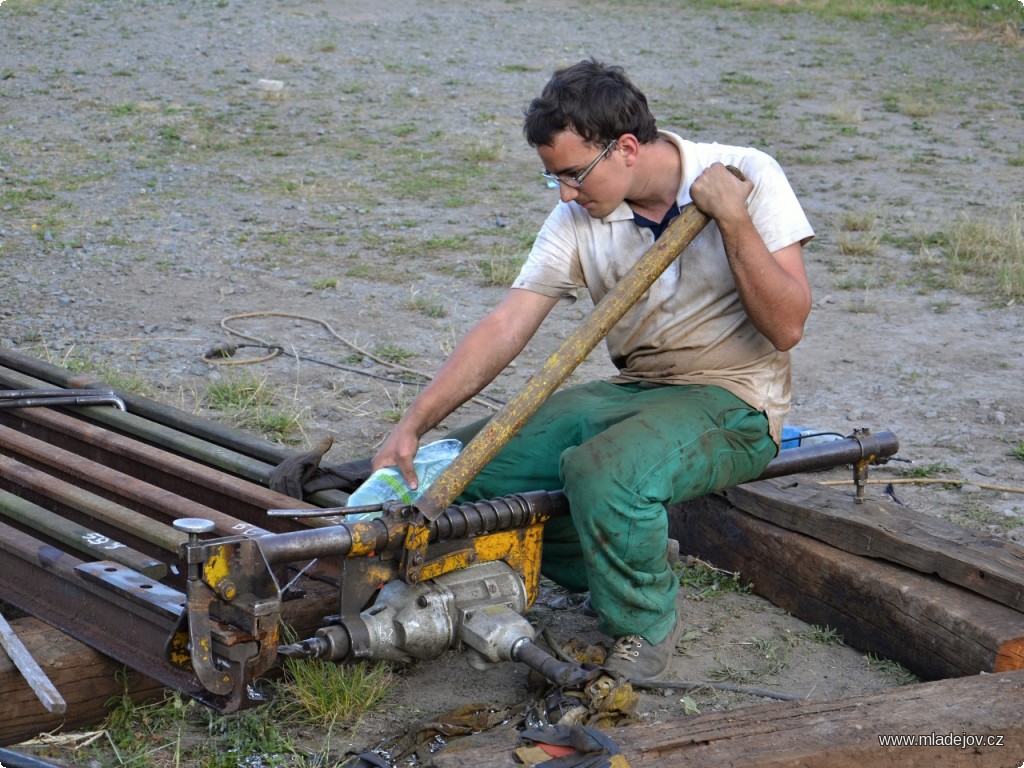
{"x": 41, "y": 685}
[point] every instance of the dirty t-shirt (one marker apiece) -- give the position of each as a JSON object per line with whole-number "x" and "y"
{"x": 690, "y": 327}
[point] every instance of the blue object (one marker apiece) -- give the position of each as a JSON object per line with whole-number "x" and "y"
{"x": 795, "y": 437}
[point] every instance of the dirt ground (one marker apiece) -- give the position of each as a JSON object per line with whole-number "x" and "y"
{"x": 354, "y": 175}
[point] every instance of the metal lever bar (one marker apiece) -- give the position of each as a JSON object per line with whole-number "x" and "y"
{"x": 34, "y": 675}
{"x": 48, "y": 398}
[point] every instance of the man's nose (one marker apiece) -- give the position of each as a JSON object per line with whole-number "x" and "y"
{"x": 566, "y": 193}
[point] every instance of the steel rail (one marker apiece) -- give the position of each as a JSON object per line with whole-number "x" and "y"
{"x": 149, "y": 496}
{"x": 130, "y": 625}
{"x": 37, "y": 485}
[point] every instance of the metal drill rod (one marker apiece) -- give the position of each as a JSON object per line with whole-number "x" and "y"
{"x": 361, "y": 538}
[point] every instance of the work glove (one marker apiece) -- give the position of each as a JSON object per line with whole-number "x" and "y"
{"x": 302, "y": 474}
{"x": 593, "y": 748}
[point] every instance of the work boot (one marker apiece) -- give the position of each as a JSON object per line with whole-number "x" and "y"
{"x": 634, "y": 658}
{"x": 671, "y": 554}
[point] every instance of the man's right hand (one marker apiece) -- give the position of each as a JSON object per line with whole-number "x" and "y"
{"x": 398, "y": 450}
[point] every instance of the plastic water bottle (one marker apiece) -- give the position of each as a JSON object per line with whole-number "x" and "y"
{"x": 387, "y": 484}
{"x": 796, "y": 437}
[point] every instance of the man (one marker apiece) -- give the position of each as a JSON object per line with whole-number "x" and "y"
{"x": 704, "y": 372}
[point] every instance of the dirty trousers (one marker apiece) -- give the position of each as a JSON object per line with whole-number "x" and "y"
{"x": 621, "y": 452}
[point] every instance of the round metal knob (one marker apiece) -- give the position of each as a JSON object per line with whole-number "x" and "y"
{"x": 194, "y": 525}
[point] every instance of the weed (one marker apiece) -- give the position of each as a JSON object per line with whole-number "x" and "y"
{"x": 971, "y": 516}
{"x": 823, "y": 635}
{"x": 926, "y": 470}
{"x": 324, "y": 283}
{"x": 1017, "y": 451}
{"x": 323, "y": 693}
{"x": 500, "y": 270}
{"x": 167, "y": 733}
{"x": 858, "y": 221}
{"x": 431, "y": 306}
{"x": 705, "y": 580}
{"x": 689, "y": 706}
{"x": 899, "y": 674}
{"x": 846, "y": 112}
{"x": 251, "y": 403}
{"x": 392, "y": 353}
{"x": 726, "y": 673}
{"x": 986, "y": 255}
{"x": 862, "y": 245}
{"x": 84, "y": 363}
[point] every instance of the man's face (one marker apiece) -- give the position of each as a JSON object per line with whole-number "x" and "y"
{"x": 571, "y": 158}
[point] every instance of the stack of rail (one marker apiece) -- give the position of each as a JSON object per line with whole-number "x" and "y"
{"x": 88, "y": 496}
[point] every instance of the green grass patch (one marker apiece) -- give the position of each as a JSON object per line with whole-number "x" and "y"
{"x": 249, "y": 402}
{"x": 703, "y": 580}
{"x": 987, "y": 255}
{"x": 992, "y": 16}
{"x": 326, "y": 694}
{"x": 895, "y": 671}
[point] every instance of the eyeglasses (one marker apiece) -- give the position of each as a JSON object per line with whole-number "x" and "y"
{"x": 576, "y": 179}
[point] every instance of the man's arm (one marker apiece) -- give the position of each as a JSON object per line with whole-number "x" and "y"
{"x": 483, "y": 353}
{"x": 773, "y": 287}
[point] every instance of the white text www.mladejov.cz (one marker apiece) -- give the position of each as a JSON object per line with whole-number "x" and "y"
{"x": 961, "y": 740}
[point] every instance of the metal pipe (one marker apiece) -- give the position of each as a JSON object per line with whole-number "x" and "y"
{"x": 185, "y": 477}
{"x": 206, "y": 433}
{"x": 849, "y": 450}
{"x": 235, "y": 439}
{"x": 87, "y": 541}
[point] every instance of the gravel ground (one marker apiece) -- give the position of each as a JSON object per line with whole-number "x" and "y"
{"x": 352, "y": 179}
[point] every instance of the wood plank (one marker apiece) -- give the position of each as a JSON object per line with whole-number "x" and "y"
{"x": 935, "y": 629}
{"x": 985, "y": 565}
{"x": 827, "y": 734}
{"x": 86, "y": 680}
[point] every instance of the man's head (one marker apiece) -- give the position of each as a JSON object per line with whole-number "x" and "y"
{"x": 597, "y": 102}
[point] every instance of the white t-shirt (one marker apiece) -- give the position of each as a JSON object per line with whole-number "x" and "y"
{"x": 690, "y": 327}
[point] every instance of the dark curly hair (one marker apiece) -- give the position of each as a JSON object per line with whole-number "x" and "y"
{"x": 596, "y": 101}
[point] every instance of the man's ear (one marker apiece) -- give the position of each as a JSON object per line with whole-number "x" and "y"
{"x": 629, "y": 146}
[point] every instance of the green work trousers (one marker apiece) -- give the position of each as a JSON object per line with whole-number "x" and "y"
{"x": 621, "y": 453}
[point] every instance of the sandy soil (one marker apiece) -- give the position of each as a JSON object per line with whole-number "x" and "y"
{"x": 359, "y": 168}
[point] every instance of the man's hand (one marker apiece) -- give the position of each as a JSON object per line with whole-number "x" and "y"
{"x": 398, "y": 451}
{"x": 720, "y": 194}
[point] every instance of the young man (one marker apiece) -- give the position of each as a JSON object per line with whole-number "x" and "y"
{"x": 704, "y": 372}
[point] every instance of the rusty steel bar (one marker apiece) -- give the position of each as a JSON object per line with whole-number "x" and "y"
{"x": 77, "y": 537}
{"x": 185, "y": 477}
{"x": 149, "y": 496}
{"x": 231, "y": 449}
{"x": 517, "y": 411}
{"x": 150, "y": 458}
{"x": 92, "y": 505}
{"x": 47, "y": 374}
